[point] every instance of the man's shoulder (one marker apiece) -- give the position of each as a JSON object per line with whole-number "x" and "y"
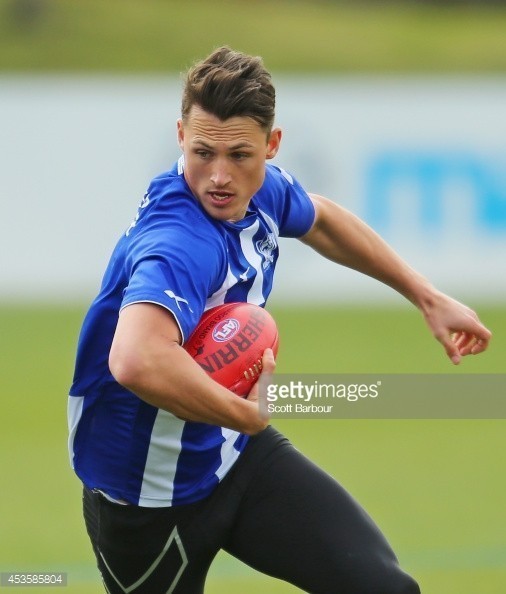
{"x": 274, "y": 174}
{"x": 169, "y": 210}
{"x": 279, "y": 187}
{"x": 168, "y": 183}
{"x": 169, "y": 196}
{"x": 285, "y": 201}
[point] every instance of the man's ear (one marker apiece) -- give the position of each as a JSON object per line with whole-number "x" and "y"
{"x": 273, "y": 143}
{"x": 180, "y": 134}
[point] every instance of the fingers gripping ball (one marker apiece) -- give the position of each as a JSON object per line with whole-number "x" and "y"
{"x": 229, "y": 341}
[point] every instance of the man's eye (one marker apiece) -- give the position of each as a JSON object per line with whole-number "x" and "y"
{"x": 240, "y": 156}
{"x": 203, "y": 154}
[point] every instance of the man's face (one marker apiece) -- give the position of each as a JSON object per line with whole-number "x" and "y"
{"x": 225, "y": 160}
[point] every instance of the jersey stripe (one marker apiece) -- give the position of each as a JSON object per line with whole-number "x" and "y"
{"x": 272, "y": 224}
{"x": 228, "y": 452}
{"x": 161, "y": 463}
{"x": 255, "y": 294}
{"x": 218, "y": 297}
{"x": 74, "y": 413}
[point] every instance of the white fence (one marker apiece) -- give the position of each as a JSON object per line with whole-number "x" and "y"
{"x": 422, "y": 160}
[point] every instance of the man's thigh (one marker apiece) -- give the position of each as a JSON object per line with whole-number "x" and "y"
{"x": 298, "y": 524}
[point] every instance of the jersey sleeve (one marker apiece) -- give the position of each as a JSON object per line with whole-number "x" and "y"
{"x": 295, "y": 209}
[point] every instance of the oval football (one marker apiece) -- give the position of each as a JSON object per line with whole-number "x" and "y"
{"x": 229, "y": 341}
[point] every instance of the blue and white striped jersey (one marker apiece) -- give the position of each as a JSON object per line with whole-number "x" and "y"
{"x": 175, "y": 255}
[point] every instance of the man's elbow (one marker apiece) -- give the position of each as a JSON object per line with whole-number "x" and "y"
{"x": 126, "y": 366}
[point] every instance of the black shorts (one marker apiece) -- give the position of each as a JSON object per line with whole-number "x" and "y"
{"x": 275, "y": 511}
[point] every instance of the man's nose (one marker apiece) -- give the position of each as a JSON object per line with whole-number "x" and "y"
{"x": 220, "y": 175}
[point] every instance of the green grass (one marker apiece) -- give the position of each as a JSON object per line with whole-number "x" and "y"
{"x": 367, "y": 340}
{"x": 292, "y": 35}
{"x": 435, "y": 487}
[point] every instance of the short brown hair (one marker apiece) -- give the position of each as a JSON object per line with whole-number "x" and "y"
{"x": 229, "y": 83}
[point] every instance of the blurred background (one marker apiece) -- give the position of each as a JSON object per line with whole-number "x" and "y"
{"x": 396, "y": 110}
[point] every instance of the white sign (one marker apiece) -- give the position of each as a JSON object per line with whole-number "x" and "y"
{"x": 422, "y": 160}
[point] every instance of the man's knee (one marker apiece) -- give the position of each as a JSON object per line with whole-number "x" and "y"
{"x": 379, "y": 579}
{"x": 390, "y": 581}
{"x": 405, "y": 585}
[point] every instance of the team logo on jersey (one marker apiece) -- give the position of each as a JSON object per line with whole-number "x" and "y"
{"x": 266, "y": 246}
{"x": 226, "y": 330}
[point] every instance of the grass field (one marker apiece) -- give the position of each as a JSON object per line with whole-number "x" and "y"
{"x": 435, "y": 487}
{"x": 292, "y": 35}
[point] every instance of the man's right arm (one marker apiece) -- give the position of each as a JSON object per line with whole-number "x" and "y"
{"x": 146, "y": 358}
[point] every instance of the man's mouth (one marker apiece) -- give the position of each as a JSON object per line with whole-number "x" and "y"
{"x": 220, "y": 197}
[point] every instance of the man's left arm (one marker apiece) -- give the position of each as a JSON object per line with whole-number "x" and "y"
{"x": 342, "y": 237}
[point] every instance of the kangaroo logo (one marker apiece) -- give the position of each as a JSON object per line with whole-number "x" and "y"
{"x": 266, "y": 246}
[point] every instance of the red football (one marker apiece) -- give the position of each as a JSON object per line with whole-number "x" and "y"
{"x": 229, "y": 341}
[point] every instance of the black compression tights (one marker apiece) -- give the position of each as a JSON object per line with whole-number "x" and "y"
{"x": 276, "y": 511}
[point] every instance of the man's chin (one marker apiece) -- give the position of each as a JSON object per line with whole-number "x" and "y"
{"x": 223, "y": 213}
